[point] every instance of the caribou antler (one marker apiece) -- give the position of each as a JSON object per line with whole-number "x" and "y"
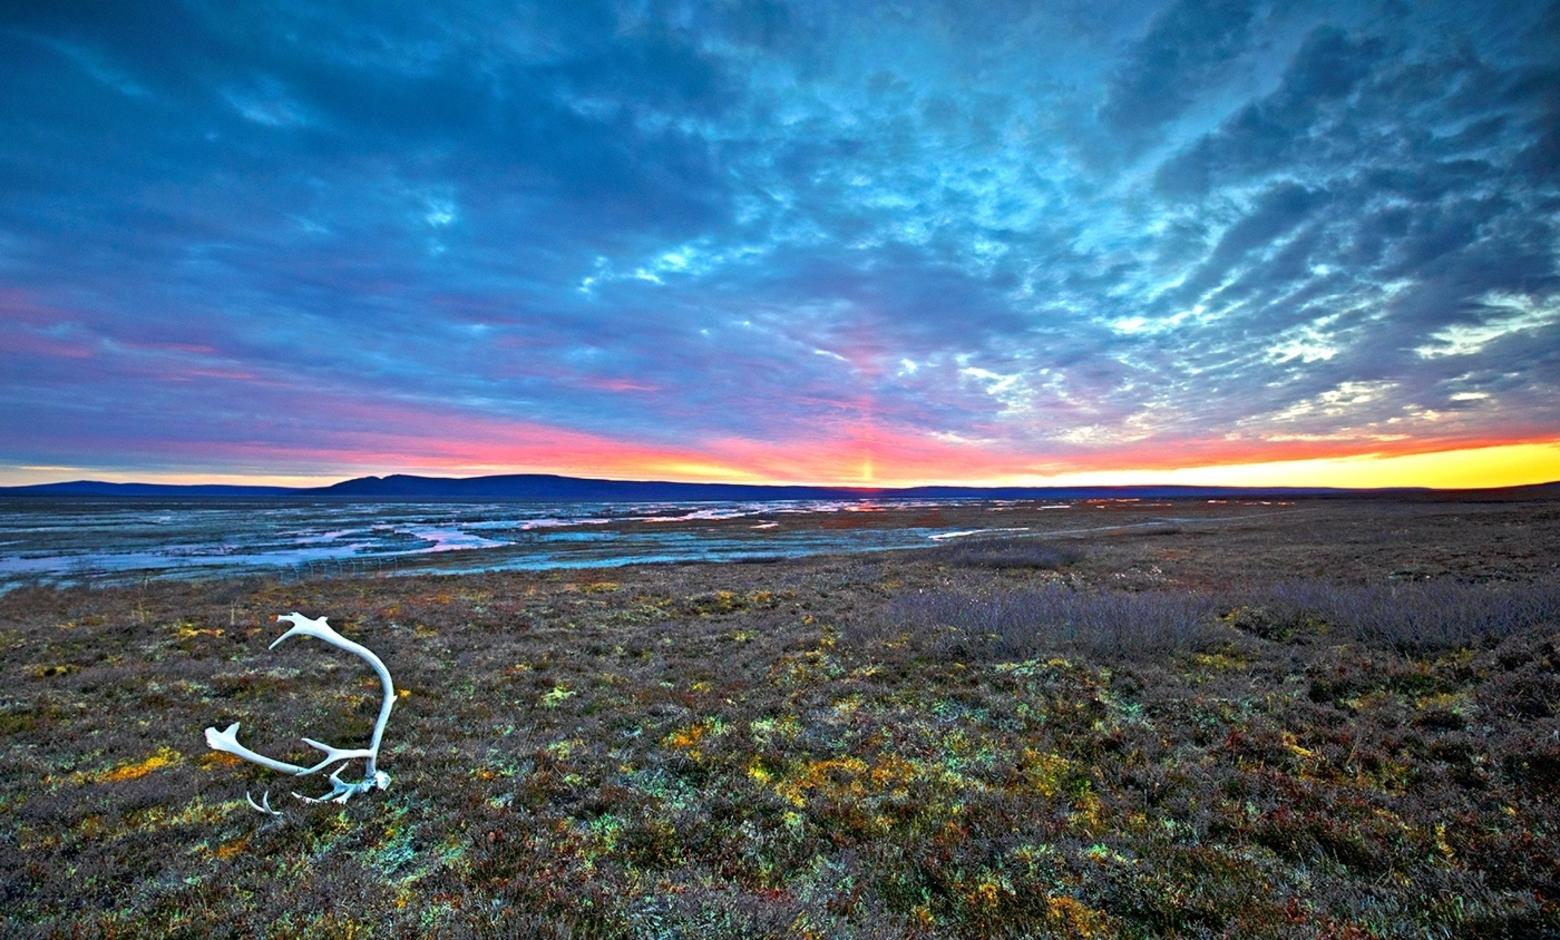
{"x": 226, "y": 740}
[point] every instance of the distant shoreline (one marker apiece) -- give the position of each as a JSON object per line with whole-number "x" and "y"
{"x": 554, "y": 488}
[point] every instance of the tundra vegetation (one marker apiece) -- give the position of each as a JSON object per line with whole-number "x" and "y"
{"x": 1342, "y": 722}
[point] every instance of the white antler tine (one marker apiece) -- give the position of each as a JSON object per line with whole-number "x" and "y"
{"x": 226, "y": 741}
{"x": 264, "y": 806}
{"x": 336, "y": 753}
{"x": 333, "y": 755}
{"x": 339, "y": 793}
{"x": 305, "y": 626}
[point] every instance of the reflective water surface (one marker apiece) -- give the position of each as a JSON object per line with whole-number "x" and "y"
{"x": 107, "y": 540}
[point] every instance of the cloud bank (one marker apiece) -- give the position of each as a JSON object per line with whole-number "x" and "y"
{"x": 817, "y": 242}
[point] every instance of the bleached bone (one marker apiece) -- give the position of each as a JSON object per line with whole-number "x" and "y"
{"x": 226, "y": 740}
{"x": 264, "y": 806}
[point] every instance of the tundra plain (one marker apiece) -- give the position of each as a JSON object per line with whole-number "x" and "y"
{"x": 1338, "y": 717}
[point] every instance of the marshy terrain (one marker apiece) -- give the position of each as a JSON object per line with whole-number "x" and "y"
{"x": 1336, "y": 718}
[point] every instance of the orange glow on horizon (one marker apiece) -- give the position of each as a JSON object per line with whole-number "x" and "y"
{"x": 1466, "y": 468}
{"x": 920, "y": 463}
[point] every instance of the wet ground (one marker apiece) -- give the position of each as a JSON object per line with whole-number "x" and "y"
{"x": 105, "y": 540}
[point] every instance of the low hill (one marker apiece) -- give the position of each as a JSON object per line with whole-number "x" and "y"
{"x": 553, "y": 488}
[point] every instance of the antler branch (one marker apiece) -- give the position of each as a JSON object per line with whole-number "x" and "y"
{"x": 226, "y": 740}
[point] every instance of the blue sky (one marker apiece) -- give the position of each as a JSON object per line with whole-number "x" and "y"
{"x": 829, "y": 242}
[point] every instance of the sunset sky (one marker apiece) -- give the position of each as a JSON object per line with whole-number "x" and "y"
{"x": 862, "y": 243}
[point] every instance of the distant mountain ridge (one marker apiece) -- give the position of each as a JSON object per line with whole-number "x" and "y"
{"x": 554, "y": 488}
{"x": 100, "y": 488}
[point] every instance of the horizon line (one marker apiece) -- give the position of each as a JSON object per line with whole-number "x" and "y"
{"x": 1494, "y": 466}
{"x": 6, "y": 489}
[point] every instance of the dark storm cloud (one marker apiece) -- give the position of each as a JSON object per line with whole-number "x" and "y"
{"x": 1054, "y": 230}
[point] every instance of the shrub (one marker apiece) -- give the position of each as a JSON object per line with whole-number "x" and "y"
{"x": 1414, "y": 616}
{"x": 1023, "y": 623}
{"x": 1006, "y": 553}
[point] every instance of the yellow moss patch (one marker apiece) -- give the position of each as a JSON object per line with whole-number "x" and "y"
{"x": 599, "y": 587}
{"x": 232, "y": 848}
{"x": 1369, "y": 701}
{"x": 1458, "y": 703}
{"x": 891, "y": 771}
{"x": 556, "y": 696}
{"x": 688, "y": 738}
{"x": 200, "y": 813}
{"x": 186, "y": 631}
{"x": 724, "y": 600}
{"x": 1441, "y": 845}
{"x": 211, "y": 760}
{"x": 986, "y": 894}
{"x": 836, "y": 776}
{"x": 1086, "y": 812}
{"x": 565, "y": 748}
{"x": 1074, "y": 918}
{"x": 51, "y": 670}
{"x": 163, "y": 758}
{"x": 766, "y": 729}
{"x": 1044, "y": 773}
{"x": 1293, "y": 747}
{"x": 1218, "y": 662}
